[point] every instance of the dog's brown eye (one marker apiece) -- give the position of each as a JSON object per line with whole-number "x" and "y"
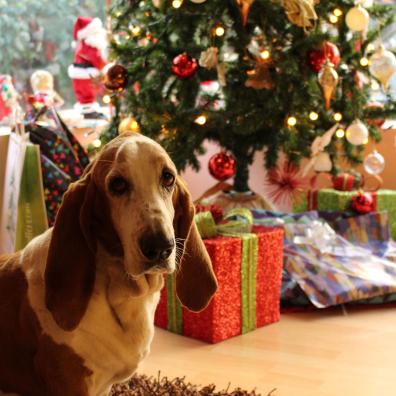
{"x": 118, "y": 185}
{"x": 168, "y": 179}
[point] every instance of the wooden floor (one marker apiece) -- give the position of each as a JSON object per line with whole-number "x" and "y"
{"x": 312, "y": 354}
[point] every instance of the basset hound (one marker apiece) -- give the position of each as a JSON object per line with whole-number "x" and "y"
{"x": 77, "y": 304}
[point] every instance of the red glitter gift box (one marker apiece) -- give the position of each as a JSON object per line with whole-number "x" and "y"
{"x": 248, "y": 296}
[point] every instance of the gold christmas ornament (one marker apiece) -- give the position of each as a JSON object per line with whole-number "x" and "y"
{"x": 259, "y": 77}
{"x": 383, "y": 65}
{"x": 209, "y": 58}
{"x": 328, "y": 80}
{"x": 221, "y": 76}
{"x": 244, "y": 8}
{"x": 128, "y": 124}
{"x": 357, "y": 19}
{"x": 301, "y": 12}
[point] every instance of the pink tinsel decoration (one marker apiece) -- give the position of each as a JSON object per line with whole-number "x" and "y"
{"x": 284, "y": 183}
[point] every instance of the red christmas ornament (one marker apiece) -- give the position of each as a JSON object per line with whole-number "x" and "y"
{"x": 317, "y": 57}
{"x": 222, "y": 166}
{"x": 363, "y": 203}
{"x": 184, "y": 66}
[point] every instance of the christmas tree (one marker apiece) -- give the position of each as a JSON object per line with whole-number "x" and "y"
{"x": 252, "y": 75}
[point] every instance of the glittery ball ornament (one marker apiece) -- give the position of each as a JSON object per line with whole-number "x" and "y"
{"x": 374, "y": 163}
{"x": 383, "y": 65}
{"x": 317, "y": 57}
{"x": 116, "y": 78}
{"x": 357, "y": 133}
{"x": 363, "y": 203}
{"x": 222, "y": 166}
{"x": 357, "y": 19}
{"x": 184, "y": 66}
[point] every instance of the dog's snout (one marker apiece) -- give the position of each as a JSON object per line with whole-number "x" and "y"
{"x": 156, "y": 246}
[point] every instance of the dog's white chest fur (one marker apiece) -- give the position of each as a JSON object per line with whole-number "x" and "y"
{"x": 115, "y": 334}
{"x": 117, "y": 329}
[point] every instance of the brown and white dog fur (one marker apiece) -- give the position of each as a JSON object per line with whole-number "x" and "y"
{"x": 77, "y": 304}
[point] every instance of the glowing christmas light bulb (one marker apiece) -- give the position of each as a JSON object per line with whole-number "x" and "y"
{"x": 265, "y": 54}
{"x": 291, "y": 121}
{"x": 201, "y": 120}
{"x": 337, "y": 12}
{"x": 177, "y": 3}
{"x": 338, "y": 116}
{"x": 97, "y": 143}
{"x": 364, "y": 62}
{"x": 219, "y": 31}
{"x": 313, "y": 116}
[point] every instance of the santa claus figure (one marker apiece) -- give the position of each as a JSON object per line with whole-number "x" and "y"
{"x": 89, "y": 59}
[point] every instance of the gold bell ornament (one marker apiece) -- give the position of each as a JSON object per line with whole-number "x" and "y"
{"x": 328, "y": 80}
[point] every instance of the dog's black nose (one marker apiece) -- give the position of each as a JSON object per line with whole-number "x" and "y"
{"x": 156, "y": 246}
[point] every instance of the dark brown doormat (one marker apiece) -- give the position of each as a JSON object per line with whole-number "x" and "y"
{"x": 140, "y": 385}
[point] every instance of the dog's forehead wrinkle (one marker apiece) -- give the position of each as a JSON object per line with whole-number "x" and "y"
{"x": 145, "y": 151}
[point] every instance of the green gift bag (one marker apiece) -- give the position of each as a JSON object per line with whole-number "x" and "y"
{"x": 32, "y": 216}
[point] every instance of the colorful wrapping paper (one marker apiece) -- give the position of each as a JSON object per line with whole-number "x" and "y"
{"x": 248, "y": 270}
{"x": 333, "y": 200}
{"x": 349, "y": 272}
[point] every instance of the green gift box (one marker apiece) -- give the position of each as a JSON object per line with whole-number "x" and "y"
{"x": 332, "y": 200}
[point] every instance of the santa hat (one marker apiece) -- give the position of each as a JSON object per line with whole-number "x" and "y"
{"x": 85, "y": 27}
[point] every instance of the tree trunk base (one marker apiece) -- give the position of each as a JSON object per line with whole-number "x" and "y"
{"x": 228, "y": 199}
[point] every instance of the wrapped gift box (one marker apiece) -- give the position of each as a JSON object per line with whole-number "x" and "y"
{"x": 249, "y": 289}
{"x": 333, "y": 200}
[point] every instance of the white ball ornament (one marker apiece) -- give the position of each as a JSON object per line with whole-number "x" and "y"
{"x": 383, "y": 65}
{"x": 357, "y": 133}
{"x": 357, "y": 19}
{"x": 374, "y": 163}
{"x": 323, "y": 162}
{"x": 367, "y": 3}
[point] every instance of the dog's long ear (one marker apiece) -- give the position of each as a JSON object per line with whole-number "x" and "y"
{"x": 70, "y": 270}
{"x": 195, "y": 280}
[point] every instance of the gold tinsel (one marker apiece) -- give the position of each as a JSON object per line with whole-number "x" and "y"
{"x": 301, "y": 12}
